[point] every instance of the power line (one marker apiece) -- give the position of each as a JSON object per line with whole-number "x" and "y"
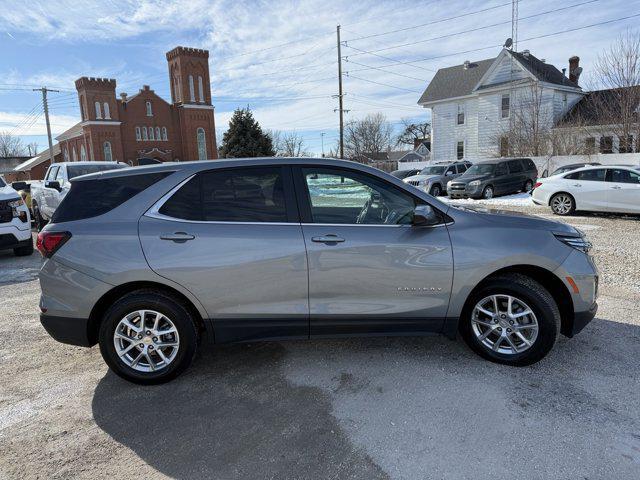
{"x": 385, "y": 58}
{"x": 428, "y": 23}
{"x": 370, "y": 67}
{"x": 383, "y": 84}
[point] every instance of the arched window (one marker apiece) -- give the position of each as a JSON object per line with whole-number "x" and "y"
{"x": 158, "y": 137}
{"x": 192, "y": 93}
{"x": 200, "y": 89}
{"x": 107, "y": 152}
{"x": 202, "y": 144}
{"x": 144, "y": 133}
{"x": 164, "y": 134}
{"x": 66, "y": 155}
{"x": 149, "y": 110}
{"x": 98, "y": 112}
{"x": 107, "y": 114}
{"x": 151, "y": 134}
{"x": 83, "y": 154}
{"x": 138, "y": 134}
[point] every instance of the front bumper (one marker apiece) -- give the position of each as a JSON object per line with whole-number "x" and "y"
{"x": 10, "y": 241}
{"x": 580, "y": 320}
{"x": 73, "y": 331}
{"x": 458, "y": 191}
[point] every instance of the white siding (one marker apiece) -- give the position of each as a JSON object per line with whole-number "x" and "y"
{"x": 446, "y": 132}
{"x": 502, "y": 72}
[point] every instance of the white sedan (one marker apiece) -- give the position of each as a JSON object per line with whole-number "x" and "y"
{"x": 596, "y": 189}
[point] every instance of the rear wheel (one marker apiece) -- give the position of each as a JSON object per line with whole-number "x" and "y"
{"x": 487, "y": 193}
{"x": 148, "y": 337}
{"x": 562, "y": 204}
{"x": 435, "y": 191}
{"x": 512, "y": 320}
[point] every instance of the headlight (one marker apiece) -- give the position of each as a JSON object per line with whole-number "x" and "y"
{"x": 475, "y": 183}
{"x": 579, "y": 243}
{"x": 16, "y": 203}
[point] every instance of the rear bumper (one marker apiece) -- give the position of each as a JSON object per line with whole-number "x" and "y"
{"x": 73, "y": 331}
{"x": 581, "y": 319}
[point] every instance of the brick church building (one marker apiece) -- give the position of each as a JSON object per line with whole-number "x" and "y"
{"x": 128, "y": 128}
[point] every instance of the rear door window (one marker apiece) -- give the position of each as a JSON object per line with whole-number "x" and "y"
{"x": 515, "y": 166}
{"x": 90, "y": 198}
{"x": 501, "y": 169}
{"x": 255, "y": 194}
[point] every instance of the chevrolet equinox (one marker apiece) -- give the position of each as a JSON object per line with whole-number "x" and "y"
{"x": 152, "y": 262}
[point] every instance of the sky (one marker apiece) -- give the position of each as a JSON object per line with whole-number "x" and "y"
{"x": 280, "y": 57}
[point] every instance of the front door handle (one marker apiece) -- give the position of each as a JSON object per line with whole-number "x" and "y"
{"x": 577, "y": 184}
{"x": 178, "y": 237}
{"x": 331, "y": 238}
{"x": 616, "y": 187}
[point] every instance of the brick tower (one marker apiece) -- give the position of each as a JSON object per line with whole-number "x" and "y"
{"x": 102, "y": 137}
{"x": 191, "y": 96}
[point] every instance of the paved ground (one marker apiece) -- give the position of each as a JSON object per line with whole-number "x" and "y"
{"x": 402, "y": 408}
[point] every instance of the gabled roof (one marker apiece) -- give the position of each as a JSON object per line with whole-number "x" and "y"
{"x": 74, "y": 131}
{"x": 457, "y": 81}
{"x": 599, "y": 107}
{"x": 37, "y": 160}
{"x": 460, "y": 81}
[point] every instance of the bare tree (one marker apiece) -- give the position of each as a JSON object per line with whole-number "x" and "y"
{"x": 289, "y": 144}
{"x": 413, "y": 132}
{"x": 368, "y": 136}
{"x": 617, "y": 108}
{"x": 11, "y": 146}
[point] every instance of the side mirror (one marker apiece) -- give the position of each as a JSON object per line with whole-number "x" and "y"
{"x": 19, "y": 185}
{"x": 424, "y": 215}
{"x": 53, "y": 184}
{"x": 448, "y": 173}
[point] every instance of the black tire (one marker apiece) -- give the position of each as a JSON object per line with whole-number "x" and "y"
{"x": 528, "y": 186}
{"x": 24, "y": 251}
{"x": 562, "y": 204}
{"x": 166, "y": 305}
{"x": 536, "y": 297}
{"x": 435, "y": 191}
{"x": 488, "y": 192}
{"x": 40, "y": 222}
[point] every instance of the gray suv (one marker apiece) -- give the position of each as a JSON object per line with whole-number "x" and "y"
{"x": 153, "y": 262}
{"x": 433, "y": 179}
{"x": 495, "y": 177}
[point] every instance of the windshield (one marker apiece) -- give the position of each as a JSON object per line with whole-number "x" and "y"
{"x": 433, "y": 170}
{"x": 77, "y": 170}
{"x": 481, "y": 169}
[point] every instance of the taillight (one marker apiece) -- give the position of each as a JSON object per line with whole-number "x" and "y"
{"x": 536, "y": 185}
{"x": 49, "y": 242}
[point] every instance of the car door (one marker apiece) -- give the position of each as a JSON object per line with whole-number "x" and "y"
{"x": 501, "y": 181}
{"x": 48, "y": 193}
{"x": 589, "y": 189}
{"x": 517, "y": 176}
{"x": 233, "y": 238}
{"x": 623, "y": 190}
{"x": 370, "y": 270}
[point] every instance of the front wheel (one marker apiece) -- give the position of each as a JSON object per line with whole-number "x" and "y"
{"x": 148, "y": 337}
{"x": 487, "y": 193}
{"x": 435, "y": 191}
{"x": 562, "y": 204}
{"x": 511, "y": 319}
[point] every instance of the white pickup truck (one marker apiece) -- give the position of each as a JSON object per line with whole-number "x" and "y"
{"x": 15, "y": 222}
{"x": 47, "y": 194}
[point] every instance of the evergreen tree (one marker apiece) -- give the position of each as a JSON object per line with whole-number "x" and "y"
{"x": 245, "y": 138}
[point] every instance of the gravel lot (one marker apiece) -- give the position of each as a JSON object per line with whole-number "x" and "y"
{"x": 402, "y": 408}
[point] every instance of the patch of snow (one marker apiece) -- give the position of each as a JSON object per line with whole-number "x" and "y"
{"x": 518, "y": 199}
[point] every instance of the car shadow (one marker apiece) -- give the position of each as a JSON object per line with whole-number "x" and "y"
{"x": 232, "y": 415}
{"x": 19, "y": 269}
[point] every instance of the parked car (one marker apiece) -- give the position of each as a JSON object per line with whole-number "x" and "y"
{"x": 15, "y": 222}
{"x": 568, "y": 168}
{"x": 494, "y": 177}
{"x": 405, "y": 173}
{"x": 146, "y": 261}
{"x": 597, "y": 189}
{"x": 47, "y": 194}
{"x": 433, "y": 179}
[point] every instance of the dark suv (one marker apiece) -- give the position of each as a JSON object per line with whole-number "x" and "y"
{"x": 494, "y": 177}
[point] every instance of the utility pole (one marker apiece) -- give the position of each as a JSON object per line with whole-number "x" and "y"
{"x": 340, "y": 94}
{"x": 322, "y": 141}
{"x": 44, "y": 91}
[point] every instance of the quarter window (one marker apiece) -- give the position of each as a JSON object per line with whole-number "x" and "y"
{"x": 237, "y": 195}
{"x": 345, "y": 197}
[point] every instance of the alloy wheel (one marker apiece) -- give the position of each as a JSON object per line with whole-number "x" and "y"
{"x": 561, "y": 204}
{"x": 504, "y": 324}
{"x": 435, "y": 191}
{"x": 488, "y": 193}
{"x": 146, "y": 340}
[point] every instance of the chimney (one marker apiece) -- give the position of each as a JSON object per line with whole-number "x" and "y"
{"x": 466, "y": 64}
{"x": 525, "y": 53}
{"x": 574, "y": 64}
{"x": 123, "y": 96}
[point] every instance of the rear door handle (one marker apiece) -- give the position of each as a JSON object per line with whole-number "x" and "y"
{"x": 616, "y": 187}
{"x": 331, "y": 238}
{"x": 178, "y": 237}
{"x": 577, "y": 184}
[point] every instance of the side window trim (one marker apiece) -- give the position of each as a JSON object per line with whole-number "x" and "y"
{"x": 289, "y": 195}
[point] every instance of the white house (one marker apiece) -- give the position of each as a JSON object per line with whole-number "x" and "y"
{"x": 472, "y": 104}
